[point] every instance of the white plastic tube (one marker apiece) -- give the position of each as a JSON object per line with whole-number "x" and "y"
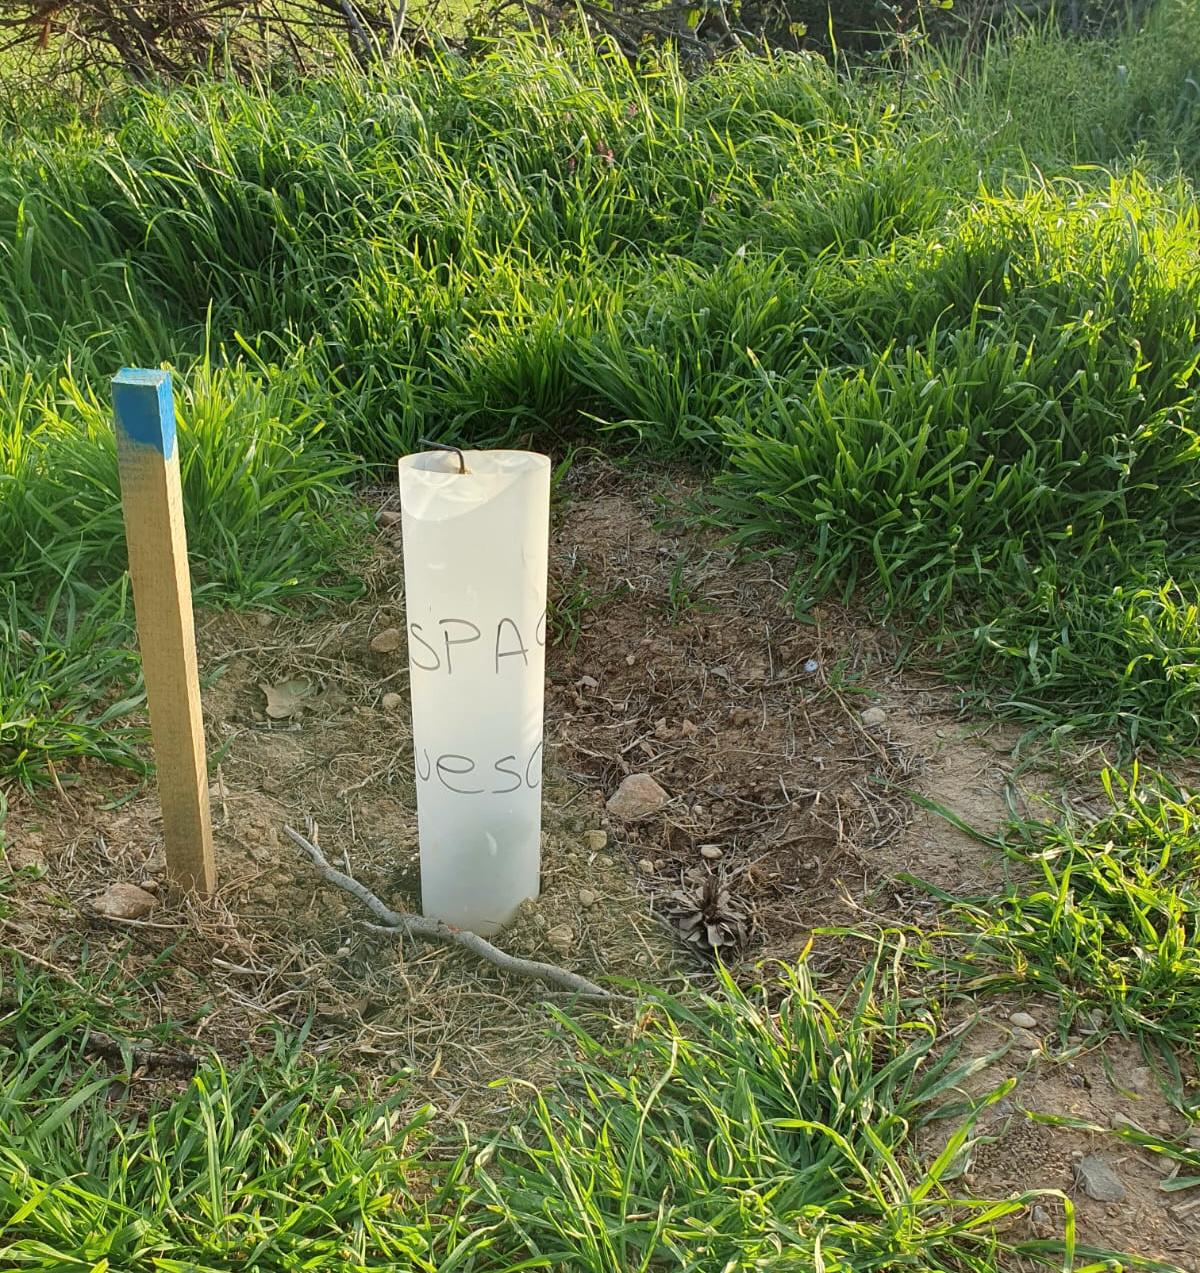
{"x": 475, "y": 550}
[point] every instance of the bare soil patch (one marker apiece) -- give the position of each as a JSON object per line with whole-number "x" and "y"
{"x": 686, "y": 665}
{"x": 1103, "y": 1083}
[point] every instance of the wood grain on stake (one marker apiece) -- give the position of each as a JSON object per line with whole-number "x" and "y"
{"x": 162, "y": 597}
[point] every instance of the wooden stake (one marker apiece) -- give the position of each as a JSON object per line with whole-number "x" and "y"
{"x": 162, "y": 597}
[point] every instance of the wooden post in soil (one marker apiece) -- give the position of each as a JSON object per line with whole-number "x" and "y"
{"x": 152, "y": 502}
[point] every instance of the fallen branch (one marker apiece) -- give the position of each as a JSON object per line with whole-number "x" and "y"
{"x": 403, "y": 924}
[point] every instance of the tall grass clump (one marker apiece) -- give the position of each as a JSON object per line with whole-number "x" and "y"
{"x": 1012, "y": 461}
{"x": 738, "y": 1131}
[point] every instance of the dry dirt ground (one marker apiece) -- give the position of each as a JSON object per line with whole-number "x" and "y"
{"x": 787, "y": 816}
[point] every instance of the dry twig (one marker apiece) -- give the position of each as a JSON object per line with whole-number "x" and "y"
{"x": 402, "y": 924}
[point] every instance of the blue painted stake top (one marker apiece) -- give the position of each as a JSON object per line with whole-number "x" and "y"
{"x": 145, "y": 409}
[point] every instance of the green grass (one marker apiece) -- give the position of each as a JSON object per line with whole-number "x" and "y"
{"x": 733, "y": 1131}
{"x": 68, "y": 682}
{"x": 1103, "y": 916}
{"x": 1009, "y": 453}
{"x": 264, "y": 490}
{"x": 934, "y": 348}
{"x": 267, "y": 519}
{"x": 943, "y": 355}
{"x": 272, "y": 1166}
{"x": 744, "y": 1131}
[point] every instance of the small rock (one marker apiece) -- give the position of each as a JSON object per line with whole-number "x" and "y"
{"x": 811, "y": 665}
{"x": 561, "y": 937}
{"x": 1098, "y": 1180}
{"x": 587, "y": 897}
{"x": 873, "y": 717}
{"x": 594, "y": 841}
{"x": 1193, "y": 1139}
{"x": 392, "y": 701}
{"x": 588, "y": 683}
{"x": 710, "y": 851}
{"x": 630, "y": 659}
{"x": 386, "y": 518}
{"x": 638, "y": 796}
{"x": 1026, "y": 1039}
{"x": 1024, "y": 1019}
{"x": 603, "y": 860}
{"x": 646, "y": 866}
{"x": 343, "y": 951}
{"x": 1117, "y": 1120}
{"x": 1141, "y": 1079}
{"x": 688, "y": 728}
{"x": 124, "y": 901}
{"x": 387, "y": 641}
{"x": 1040, "y": 1217}
{"x": 264, "y": 619}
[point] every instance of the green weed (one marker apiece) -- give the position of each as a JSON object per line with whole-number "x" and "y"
{"x": 680, "y": 600}
{"x": 570, "y": 604}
